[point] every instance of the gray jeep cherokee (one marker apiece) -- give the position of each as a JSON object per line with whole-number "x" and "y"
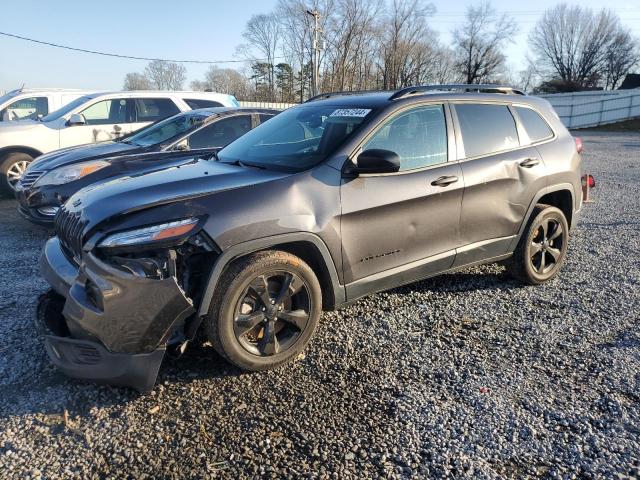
{"x": 340, "y": 197}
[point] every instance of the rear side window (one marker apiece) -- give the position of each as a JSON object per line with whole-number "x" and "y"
{"x": 486, "y": 128}
{"x": 220, "y": 133}
{"x": 537, "y": 128}
{"x": 418, "y": 136}
{"x": 264, "y": 117}
{"x": 153, "y": 109}
{"x": 195, "y": 103}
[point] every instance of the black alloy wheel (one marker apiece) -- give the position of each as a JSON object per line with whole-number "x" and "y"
{"x": 271, "y": 313}
{"x": 264, "y": 310}
{"x": 547, "y": 246}
{"x": 543, "y": 246}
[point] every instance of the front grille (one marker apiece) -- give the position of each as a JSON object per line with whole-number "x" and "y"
{"x": 69, "y": 228}
{"x": 30, "y": 178}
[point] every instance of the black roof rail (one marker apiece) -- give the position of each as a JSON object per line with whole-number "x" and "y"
{"x": 461, "y": 87}
{"x": 323, "y": 96}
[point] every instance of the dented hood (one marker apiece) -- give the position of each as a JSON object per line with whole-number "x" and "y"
{"x": 198, "y": 178}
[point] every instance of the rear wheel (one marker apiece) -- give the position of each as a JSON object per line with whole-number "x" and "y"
{"x": 543, "y": 246}
{"x": 12, "y": 167}
{"x": 265, "y": 310}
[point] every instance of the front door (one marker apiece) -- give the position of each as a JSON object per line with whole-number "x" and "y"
{"x": 104, "y": 120}
{"x": 399, "y": 227}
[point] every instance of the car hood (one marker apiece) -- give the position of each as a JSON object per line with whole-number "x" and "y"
{"x": 68, "y": 156}
{"x": 19, "y": 126}
{"x": 180, "y": 183}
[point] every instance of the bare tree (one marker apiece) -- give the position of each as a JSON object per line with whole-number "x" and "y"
{"x": 262, "y": 34}
{"x": 406, "y": 37}
{"x": 529, "y": 76}
{"x": 350, "y": 35}
{"x": 571, "y": 44}
{"x": 136, "y": 81}
{"x": 223, "y": 80}
{"x": 479, "y": 42}
{"x": 622, "y": 55}
{"x": 165, "y": 75}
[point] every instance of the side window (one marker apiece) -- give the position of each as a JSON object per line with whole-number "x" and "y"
{"x": 418, "y": 136}
{"x": 220, "y": 133}
{"x": 486, "y": 128}
{"x": 153, "y": 109}
{"x": 26, "y": 108}
{"x": 195, "y": 103}
{"x": 106, "y": 112}
{"x": 536, "y": 126}
{"x": 264, "y": 117}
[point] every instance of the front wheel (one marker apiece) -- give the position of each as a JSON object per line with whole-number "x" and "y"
{"x": 265, "y": 310}
{"x": 12, "y": 167}
{"x": 543, "y": 246}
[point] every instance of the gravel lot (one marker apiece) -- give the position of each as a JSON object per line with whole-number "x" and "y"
{"x": 465, "y": 375}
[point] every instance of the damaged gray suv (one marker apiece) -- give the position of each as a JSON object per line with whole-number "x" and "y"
{"x": 334, "y": 199}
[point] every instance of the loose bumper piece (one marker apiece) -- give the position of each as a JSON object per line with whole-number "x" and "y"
{"x": 104, "y": 324}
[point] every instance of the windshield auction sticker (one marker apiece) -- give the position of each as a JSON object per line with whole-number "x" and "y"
{"x": 350, "y": 112}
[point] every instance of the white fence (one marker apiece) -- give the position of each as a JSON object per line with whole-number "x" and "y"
{"x": 275, "y": 105}
{"x": 590, "y": 109}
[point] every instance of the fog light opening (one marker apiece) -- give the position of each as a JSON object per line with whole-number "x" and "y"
{"x": 48, "y": 211}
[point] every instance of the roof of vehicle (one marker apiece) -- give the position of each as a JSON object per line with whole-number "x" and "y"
{"x": 19, "y": 91}
{"x": 385, "y": 98}
{"x": 162, "y": 93}
{"x": 221, "y": 110}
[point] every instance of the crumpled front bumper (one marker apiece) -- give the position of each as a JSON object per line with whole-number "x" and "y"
{"x": 104, "y": 324}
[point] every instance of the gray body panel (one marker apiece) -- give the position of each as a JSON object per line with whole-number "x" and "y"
{"x": 362, "y": 233}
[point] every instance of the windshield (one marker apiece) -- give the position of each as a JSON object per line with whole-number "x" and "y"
{"x": 166, "y": 129}
{"x": 7, "y": 96}
{"x": 297, "y": 138}
{"x": 67, "y": 108}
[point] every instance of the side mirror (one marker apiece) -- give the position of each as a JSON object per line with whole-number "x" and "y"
{"x": 377, "y": 160}
{"x": 76, "y": 119}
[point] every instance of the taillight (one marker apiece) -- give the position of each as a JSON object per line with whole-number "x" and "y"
{"x": 590, "y": 181}
{"x": 578, "y": 141}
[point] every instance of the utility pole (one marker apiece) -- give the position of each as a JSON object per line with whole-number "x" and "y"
{"x": 316, "y": 53}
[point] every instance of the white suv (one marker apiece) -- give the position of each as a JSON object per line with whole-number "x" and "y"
{"x": 92, "y": 118}
{"x": 33, "y": 103}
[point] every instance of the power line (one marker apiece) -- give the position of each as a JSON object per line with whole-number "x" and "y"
{"x": 130, "y": 57}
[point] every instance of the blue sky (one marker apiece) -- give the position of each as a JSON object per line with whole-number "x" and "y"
{"x": 196, "y": 29}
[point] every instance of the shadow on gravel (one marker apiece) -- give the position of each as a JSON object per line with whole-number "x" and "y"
{"x": 464, "y": 281}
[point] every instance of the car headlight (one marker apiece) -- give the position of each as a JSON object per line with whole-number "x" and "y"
{"x": 153, "y": 233}
{"x": 70, "y": 173}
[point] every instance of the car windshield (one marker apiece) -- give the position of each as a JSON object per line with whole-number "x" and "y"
{"x": 67, "y": 108}
{"x": 166, "y": 129}
{"x": 296, "y": 139}
{"x": 7, "y": 96}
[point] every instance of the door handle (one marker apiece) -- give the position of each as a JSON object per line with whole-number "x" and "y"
{"x": 444, "y": 181}
{"x": 529, "y": 162}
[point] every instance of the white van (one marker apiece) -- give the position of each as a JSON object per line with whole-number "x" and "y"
{"x": 92, "y": 118}
{"x": 31, "y": 103}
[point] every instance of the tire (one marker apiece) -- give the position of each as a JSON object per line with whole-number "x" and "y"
{"x": 10, "y": 165}
{"x": 246, "y": 327}
{"x": 542, "y": 249}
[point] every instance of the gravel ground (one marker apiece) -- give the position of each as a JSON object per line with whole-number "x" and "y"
{"x": 465, "y": 375}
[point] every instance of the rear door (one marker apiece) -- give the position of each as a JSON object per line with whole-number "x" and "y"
{"x": 502, "y": 172}
{"x": 402, "y": 226}
{"x": 149, "y": 110}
